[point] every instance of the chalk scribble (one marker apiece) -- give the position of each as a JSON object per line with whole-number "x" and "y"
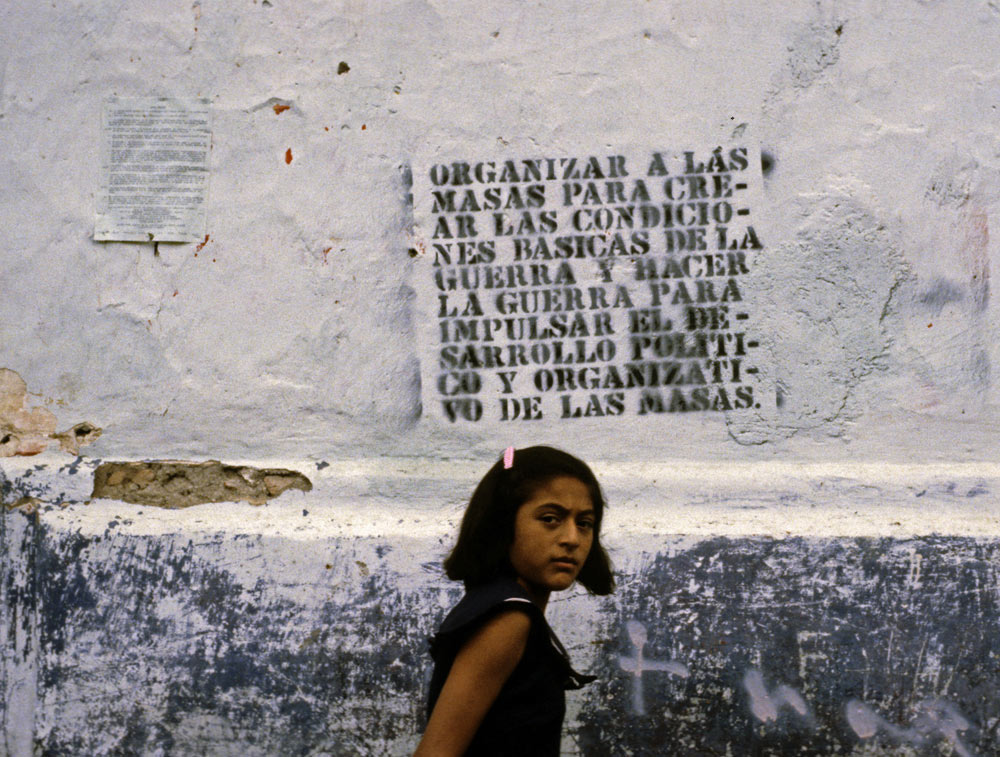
{"x": 935, "y": 719}
{"x": 765, "y": 704}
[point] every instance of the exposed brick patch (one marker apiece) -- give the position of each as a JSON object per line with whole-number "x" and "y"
{"x": 178, "y": 483}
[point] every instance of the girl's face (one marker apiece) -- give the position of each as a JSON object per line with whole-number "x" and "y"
{"x": 553, "y": 532}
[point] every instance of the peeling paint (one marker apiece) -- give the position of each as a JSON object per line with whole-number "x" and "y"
{"x": 22, "y": 431}
{"x": 29, "y": 431}
{"x": 27, "y": 505}
{"x": 81, "y": 434}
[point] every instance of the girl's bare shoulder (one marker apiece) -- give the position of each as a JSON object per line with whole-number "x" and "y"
{"x": 502, "y": 638}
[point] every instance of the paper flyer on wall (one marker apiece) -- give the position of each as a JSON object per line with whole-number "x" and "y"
{"x": 154, "y": 169}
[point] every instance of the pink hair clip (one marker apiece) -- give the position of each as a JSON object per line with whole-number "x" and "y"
{"x": 508, "y": 458}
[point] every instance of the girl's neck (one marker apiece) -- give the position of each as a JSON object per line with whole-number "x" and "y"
{"x": 538, "y": 596}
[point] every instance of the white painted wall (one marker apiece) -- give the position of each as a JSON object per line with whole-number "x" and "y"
{"x": 880, "y": 118}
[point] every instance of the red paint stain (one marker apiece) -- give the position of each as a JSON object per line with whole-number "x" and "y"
{"x": 288, "y": 155}
{"x": 929, "y": 325}
{"x": 363, "y": 127}
{"x": 201, "y": 245}
{"x": 326, "y": 251}
{"x": 175, "y": 293}
{"x": 279, "y": 109}
{"x": 326, "y": 128}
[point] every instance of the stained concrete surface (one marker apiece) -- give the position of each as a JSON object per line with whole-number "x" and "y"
{"x": 267, "y": 645}
{"x": 300, "y": 626}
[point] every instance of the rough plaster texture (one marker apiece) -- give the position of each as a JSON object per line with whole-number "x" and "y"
{"x": 842, "y": 545}
{"x": 287, "y": 332}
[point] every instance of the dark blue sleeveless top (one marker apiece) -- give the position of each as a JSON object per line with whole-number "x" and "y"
{"x": 526, "y": 718}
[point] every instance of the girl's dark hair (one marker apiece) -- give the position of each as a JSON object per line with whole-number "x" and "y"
{"x": 487, "y": 531}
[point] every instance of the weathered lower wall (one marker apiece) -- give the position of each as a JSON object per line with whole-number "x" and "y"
{"x": 19, "y": 631}
{"x": 299, "y": 627}
{"x": 801, "y": 646}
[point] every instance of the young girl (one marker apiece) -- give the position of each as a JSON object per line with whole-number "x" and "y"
{"x": 532, "y": 527}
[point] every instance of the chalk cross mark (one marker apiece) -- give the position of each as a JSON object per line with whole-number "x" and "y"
{"x": 638, "y": 664}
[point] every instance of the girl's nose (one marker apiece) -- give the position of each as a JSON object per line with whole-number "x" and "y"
{"x": 570, "y": 535}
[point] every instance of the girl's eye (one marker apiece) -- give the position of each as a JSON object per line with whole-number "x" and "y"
{"x": 549, "y": 519}
{"x": 587, "y": 524}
